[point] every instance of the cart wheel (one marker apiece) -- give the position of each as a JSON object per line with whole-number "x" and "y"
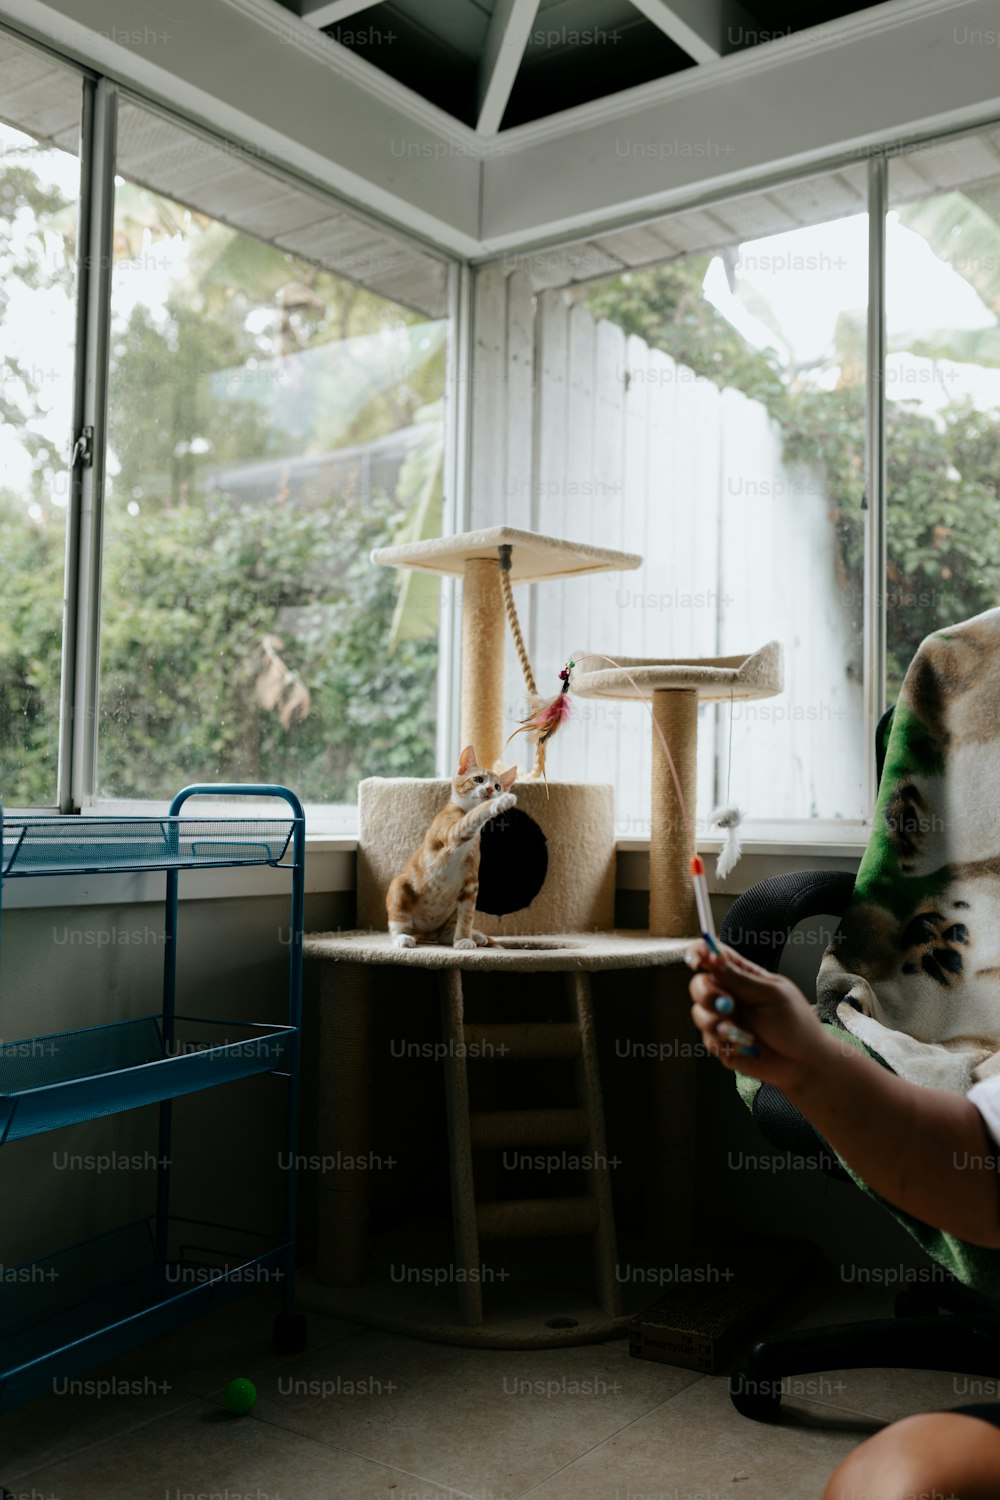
{"x": 289, "y": 1333}
{"x": 755, "y": 1396}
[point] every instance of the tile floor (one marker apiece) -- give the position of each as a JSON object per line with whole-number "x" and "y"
{"x": 363, "y": 1414}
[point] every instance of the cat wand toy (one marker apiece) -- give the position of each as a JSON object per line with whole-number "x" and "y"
{"x": 543, "y": 723}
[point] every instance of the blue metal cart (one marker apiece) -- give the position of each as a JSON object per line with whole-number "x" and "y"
{"x": 64, "y": 1313}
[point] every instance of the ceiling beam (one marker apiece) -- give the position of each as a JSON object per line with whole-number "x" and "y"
{"x": 328, "y": 12}
{"x": 705, "y": 29}
{"x": 507, "y": 37}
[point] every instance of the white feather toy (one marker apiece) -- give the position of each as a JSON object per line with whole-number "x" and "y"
{"x": 728, "y": 819}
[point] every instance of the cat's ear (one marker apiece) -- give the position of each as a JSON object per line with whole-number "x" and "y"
{"x": 466, "y": 760}
{"x": 507, "y": 779}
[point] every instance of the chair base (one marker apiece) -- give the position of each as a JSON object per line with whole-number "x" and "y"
{"x": 966, "y": 1341}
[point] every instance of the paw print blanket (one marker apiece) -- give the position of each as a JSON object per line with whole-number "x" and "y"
{"x": 913, "y": 971}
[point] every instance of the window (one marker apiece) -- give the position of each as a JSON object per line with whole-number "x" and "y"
{"x": 40, "y": 103}
{"x": 269, "y": 424}
{"x": 275, "y": 377}
{"x": 942, "y": 387}
{"x": 731, "y": 379}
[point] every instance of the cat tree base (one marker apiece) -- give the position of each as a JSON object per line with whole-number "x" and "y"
{"x": 346, "y": 972}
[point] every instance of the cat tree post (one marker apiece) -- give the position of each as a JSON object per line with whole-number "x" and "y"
{"x": 675, "y": 688}
{"x": 483, "y": 627}
{"x": 672, "y": 910}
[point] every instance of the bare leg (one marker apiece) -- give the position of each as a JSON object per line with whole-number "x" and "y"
{"x": 939, "y": 1455}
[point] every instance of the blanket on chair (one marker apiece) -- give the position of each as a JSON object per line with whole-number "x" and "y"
{"x": 912, "y": 976}
{"x": 914, "y": 968}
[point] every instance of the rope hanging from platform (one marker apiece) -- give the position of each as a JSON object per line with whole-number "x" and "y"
{"x": 538, "y": 769}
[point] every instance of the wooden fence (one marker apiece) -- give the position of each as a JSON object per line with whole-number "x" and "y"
{"x": 582, "y": 431}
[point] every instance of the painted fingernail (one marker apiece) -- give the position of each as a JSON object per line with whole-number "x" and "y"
{"x": 735, "y": 1034}
{"x": 725, "y": 1005}
{"x": 751, "y": 1051}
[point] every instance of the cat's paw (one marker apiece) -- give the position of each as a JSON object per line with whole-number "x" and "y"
{"x": 403, "y": 940}
{"x": 503, "y": 803}
{"x": 463, "y": 943}
{"x": 480, "y": 939}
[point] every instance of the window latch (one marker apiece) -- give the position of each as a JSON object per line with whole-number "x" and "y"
{"x": 83, "y": 449}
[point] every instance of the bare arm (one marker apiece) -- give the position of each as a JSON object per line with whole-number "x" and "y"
{"x": 926, "y": 1151}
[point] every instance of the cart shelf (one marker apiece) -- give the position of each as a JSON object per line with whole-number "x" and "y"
{"x": 64, "y": 1313}
{"x": 50, "y": 1081}
{"x": 94, "y": 846}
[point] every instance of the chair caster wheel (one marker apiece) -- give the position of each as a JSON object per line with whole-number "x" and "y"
{"x": 288, "y": 1336}
{"x": 755, "y": 1396}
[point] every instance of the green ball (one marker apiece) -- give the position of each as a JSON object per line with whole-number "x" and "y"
{"x": 239, "y": 1396}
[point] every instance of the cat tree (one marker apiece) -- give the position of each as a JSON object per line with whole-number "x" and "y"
{"x": 549, "y": 901}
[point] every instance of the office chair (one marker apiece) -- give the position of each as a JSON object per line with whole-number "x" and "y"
{"x": 942, "y": 1325}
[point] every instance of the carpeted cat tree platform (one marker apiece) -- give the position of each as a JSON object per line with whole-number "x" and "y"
{"x": 547, "y": 888}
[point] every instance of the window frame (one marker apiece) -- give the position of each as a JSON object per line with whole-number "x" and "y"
{"x": 77, "y": 761}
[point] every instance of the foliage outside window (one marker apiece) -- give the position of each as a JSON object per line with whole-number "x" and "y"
{"x": 269, "y": 424}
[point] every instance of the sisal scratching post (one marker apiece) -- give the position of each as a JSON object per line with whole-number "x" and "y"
{"x": 673, "y": 689}
{"x": 482, "y": 660}
{"x": 672, "y": 910}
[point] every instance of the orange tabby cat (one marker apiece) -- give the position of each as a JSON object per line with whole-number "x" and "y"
{"x": 435, "y": 896}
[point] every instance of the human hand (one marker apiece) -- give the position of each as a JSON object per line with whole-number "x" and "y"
{"x": 788, "y": 1041}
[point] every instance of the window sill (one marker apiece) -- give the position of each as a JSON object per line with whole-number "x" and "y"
{"x": 330, "y": 867}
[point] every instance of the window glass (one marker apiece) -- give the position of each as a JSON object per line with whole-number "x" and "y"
{"x": 740, "y": 373}
{"x": 39, "y": 192}
{"x": 270, "y": 423}
{"x": 942, "y": 390}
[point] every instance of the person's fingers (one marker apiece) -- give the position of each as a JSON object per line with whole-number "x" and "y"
{"x": 697, "y": 954}
{"x": 742, "y": 979}
{"x": 704, "y": 987}
{"x": 706, "y": 1022}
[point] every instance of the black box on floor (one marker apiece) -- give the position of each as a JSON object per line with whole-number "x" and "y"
{"x": 720, "y": 1302}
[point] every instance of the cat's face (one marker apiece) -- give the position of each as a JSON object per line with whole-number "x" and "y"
{"x": 473, "y": 784}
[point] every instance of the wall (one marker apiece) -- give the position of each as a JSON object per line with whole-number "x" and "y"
{"x": 69, "y": 967}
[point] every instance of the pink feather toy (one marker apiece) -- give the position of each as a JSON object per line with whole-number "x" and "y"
{"x": 542, "y": 723}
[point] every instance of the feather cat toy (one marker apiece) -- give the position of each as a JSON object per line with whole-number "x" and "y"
{"x": 545, "y": 718}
